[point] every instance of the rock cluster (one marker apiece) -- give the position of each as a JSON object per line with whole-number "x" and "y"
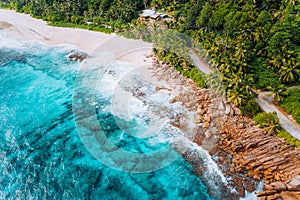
{"x": 208, "y": 109}
{"x": 263, "y": 156}
{"x": 202, "y": 101}
{"x": 281, "y": 190}
{"x": 77, "y": 56}
{"x": 260, "y": 155}
{"x": 242, "y": 147}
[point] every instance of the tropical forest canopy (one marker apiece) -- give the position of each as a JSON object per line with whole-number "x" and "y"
{"x": 255, "y": 44}
{"x": 78, "y": 11}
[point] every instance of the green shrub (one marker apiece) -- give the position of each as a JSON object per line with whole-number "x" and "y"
{"x": 292, "y": 103}
{"x": 249, "y": 107}
{"x": 186, "y": 68}
{"x": 268, "y": 121}
{"x": 264, "y": 77}
{"x": 82, "y": 26}
{"x": 288, "y": 138}
{"x": 197, "y": 77}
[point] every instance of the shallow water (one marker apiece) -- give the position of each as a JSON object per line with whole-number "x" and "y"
{"x": 42, "y": 155}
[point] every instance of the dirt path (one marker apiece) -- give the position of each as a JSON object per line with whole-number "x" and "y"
{"x": 285, "y": 122}
{"x": 199, "y": 63}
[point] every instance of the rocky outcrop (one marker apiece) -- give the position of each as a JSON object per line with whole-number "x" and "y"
{"x": 263, "y": 157}
{"x": 207, "y": 108}
{"x": 245, "y": 151}
{"x": 258, "y": 154}
{"x": 281, "y": 190}
{"x": 77, "y": 56}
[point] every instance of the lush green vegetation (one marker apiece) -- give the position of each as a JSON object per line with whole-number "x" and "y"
{"x": 291, "y": 103}
{"x": 253, "y": 44}
{"x": 278, "y": 92}
{"x": 96, "y": 12}
{"x": 81, "y": 26}
{"x": 270, "y": 122}
{"x": 250, "y": 108}
{"x": 290, "y": 139}
{"x": 186, "y": 68}
{"x": 264, "y": 77}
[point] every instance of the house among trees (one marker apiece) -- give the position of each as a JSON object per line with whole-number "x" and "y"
{"x": 152, "y": 15}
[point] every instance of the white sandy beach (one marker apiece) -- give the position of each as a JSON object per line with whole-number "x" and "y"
{"x": 23, "y": 27}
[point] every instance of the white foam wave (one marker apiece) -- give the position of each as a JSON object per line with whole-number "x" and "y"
{"x": 128, "y": 107}
{"x": 33, "y": 45}
{"x": 211, "y": 170}
{"x": 111, "y": 76}
{"x": 9, "y": 43}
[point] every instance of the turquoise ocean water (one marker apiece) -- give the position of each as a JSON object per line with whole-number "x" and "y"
{"x": 42, "y": 156}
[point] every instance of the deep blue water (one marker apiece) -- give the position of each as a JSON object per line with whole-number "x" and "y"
{"x": 42, "y": 156}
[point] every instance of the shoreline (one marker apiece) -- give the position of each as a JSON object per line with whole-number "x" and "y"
{"x": 233, "y": 138}
{"x": 204, "y": 103}
{"x": 244, "y": 152}
{"x": 23, "y": 27}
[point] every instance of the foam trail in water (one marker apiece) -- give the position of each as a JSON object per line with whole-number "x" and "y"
{"x": 133, "y": 108}
{"x": 210, "y": 170}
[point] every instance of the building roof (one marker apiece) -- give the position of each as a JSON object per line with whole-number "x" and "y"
{"x": 148, "y": 13}
{"x": 153, "y": 14}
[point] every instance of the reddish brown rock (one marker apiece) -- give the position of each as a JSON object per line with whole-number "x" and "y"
{"x": 288, "y": 196}
{"x": 279, "y": 186}
{"x": 293, "y": 185}
{"x": 205, "y": 125}
{"x": 173, "y": 100}
{"x": 262, "y": 198}
{"x": 249, "y": 185}
{"x": 270, "y": 192}
{"x": 207, "y": 118}
{"x": 268, "y": 187}
{"x": 261, "y": 194}
{"x": 220, "y": 159}
{"x": 238, "y": 183}
{"x": 208, "y": 133}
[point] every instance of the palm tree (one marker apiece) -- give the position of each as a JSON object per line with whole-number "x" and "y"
{"x": 289, "y": 74}
{"x": 235, "y": 96}
{"x": 215, "y": 81}
{"x": 272, "y": 123}
{"x": 275, "y": 62}
{"x": 247, "y": 81}
{"x": 278, "y": 92}
{"x": 197, "y": 37}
